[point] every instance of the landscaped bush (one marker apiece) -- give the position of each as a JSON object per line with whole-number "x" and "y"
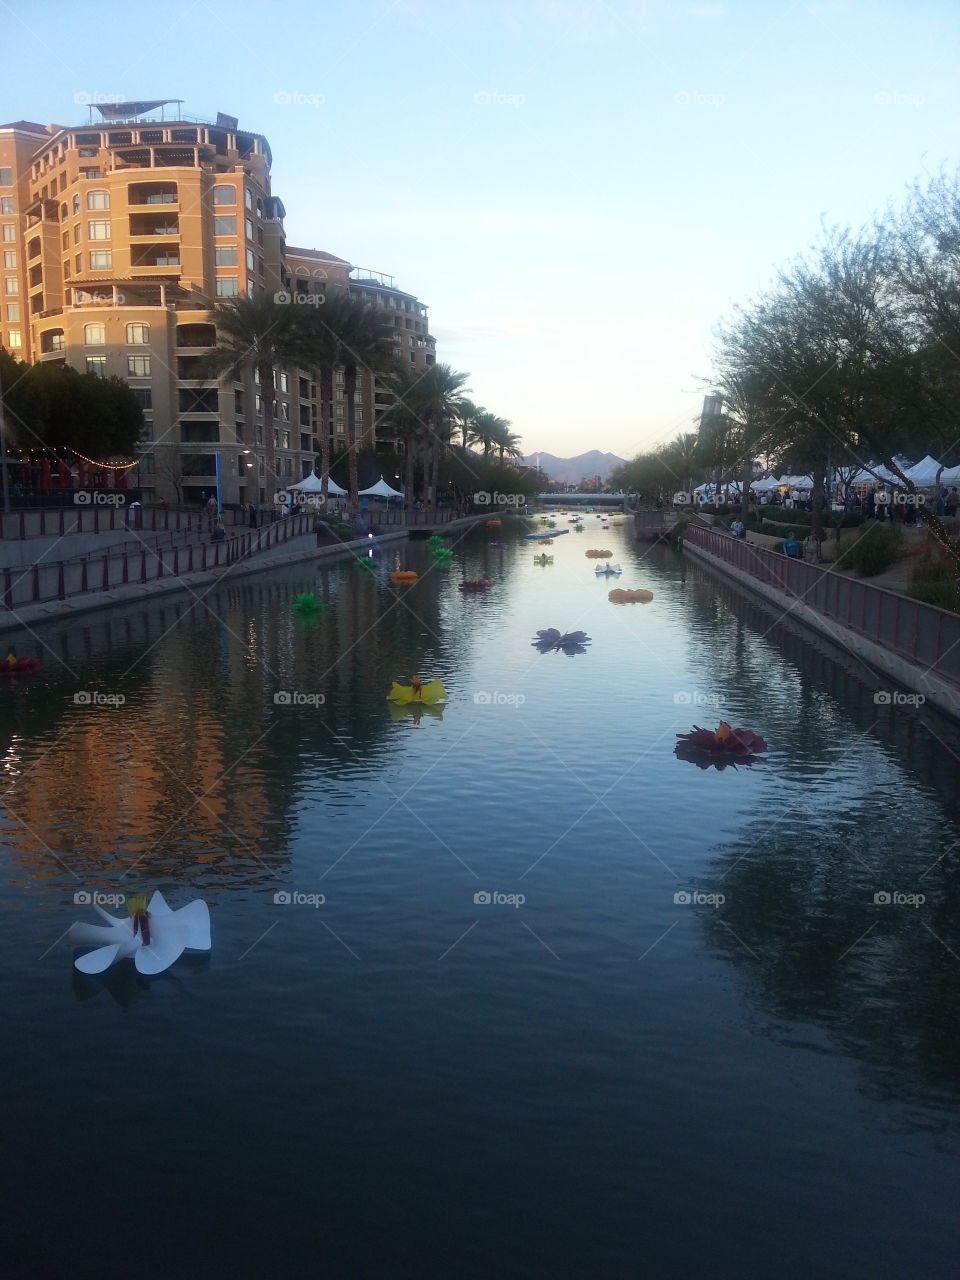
{"x": 871, "y": 551}
{"x": 934, "y": 582}
{"x": 783, "y": 515}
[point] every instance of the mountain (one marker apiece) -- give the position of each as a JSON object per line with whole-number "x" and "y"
{"x": 573, "y": 470}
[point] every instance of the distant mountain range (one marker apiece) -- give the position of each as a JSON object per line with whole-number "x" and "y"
{"x": 573, "y": 470}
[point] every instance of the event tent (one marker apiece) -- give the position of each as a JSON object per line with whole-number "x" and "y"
{"x": 765, "y": 485}
{"x": 923, "y": 473}
{"x": 313, "y": 484}
{"x": 380, "y": 490}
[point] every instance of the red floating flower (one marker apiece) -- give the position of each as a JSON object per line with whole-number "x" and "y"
{"x": 719, "y": 747}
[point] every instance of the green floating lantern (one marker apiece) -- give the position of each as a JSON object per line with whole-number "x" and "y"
{"x": 578, "y": 528}
{"x": 366, "y": 566}
{"x": 442, "y": 556}
{"x": 308, "y": 606}
{"x": 551, "y": 524}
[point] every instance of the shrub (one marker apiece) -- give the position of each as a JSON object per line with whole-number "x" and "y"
{"x": 871, "y": 551}
{"x": 934, "y": 582}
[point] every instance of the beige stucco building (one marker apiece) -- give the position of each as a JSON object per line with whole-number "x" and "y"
{"x": 116, "y": 234}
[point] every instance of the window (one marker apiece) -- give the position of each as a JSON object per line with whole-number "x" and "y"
{"x": 224, "y": 226}
{"x": 285, "y": 439}
{"x": 13, "y": 311}
{"x": 10, "y": 285}
{"x": 259, "y": 207}
{"x": 98, "y": 200}
{"x": 138, "y": 334}
{"x": 94, "y": 335}
{"x": 65, "y": 240}
{"x": 339, "y": 428}
{"x": 224, "y": 195}
{"x": 358, "y": 416}
{"x": 10, "y": 258}
{"x": 97, "y": 365}
{"x": 14, "y": 339}
{"x": 340, "y": 393}
{"x": 76, "y": 204}
{"x": 146, "y": 464}
{"x": 226, "y": 286}
{"x": 144, "y": 397}
{"x": 98, "y": 230}
{"x": 76, "y": 233}
{"x": 258, "y": 405}
{"x": 339, "y": 410}
{"x": 9, "y": 232}
{"x": 284, "y": 411}
{"x": 249, "y": 259}
{"x": 247, "y": 198}
{"x": 339, "y": 378}
{"x": 87, "y": 153}
{"x": 79, "y": 261}
{"x": 6, "y": 177}
{"x": 225, "y": 257}
{"x": 90, "y": 173}
{"x": 6, "y": 204}
{"x": 284, "y": 382}
{"x": 138, "y": 366}
{"x": 101, "y": 259}
{"x": 249, "y": 228}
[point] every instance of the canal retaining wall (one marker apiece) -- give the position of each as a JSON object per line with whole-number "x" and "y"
{"x": 937, "y": 687}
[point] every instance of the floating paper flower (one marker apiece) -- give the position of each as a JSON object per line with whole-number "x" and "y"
{"x": 551, "y": 640}
{"x": 635, "y": 596}
{"x": 598, "y": 555}
{"x": 426, "y": 691}
{"x": 152, "y": 934}
{"x": 541, "y": 560}
{"x": 602, "y": 569}
{"x": 474, "y": 584}
{"x": 718, "y": 748}
{"x": 403, "y": 575}
{"x": 366, "y": 565}
{"x": 307, "y": 604}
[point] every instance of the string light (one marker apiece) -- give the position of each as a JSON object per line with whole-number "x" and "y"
{"x": 108, "y": 466}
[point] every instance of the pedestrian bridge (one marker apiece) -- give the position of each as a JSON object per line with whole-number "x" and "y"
{"x": 582, "y": 500}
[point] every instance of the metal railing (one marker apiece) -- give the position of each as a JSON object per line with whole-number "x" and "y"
{"x": 921, "y": 633}
{"x": 59, "y": 580}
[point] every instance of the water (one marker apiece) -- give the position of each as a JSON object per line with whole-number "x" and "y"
{"x": 408, "y": 1082}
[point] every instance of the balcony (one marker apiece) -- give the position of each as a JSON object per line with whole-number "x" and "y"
{"x": 141, "y": 194}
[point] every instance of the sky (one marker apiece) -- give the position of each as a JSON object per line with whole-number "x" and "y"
{"x": 580, "y": 190}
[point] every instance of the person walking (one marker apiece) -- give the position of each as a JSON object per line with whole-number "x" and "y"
{"x": 212, "y": 511}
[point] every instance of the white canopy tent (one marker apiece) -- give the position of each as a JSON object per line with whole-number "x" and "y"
{"x": 796, "y": 482}
{"x": 380, "y": 490}
{"x": 923, "y": 473}
{"x": 313, "y": 484}
{"x": 765, "y": 485}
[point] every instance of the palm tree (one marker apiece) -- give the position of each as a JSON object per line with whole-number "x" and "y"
{"x": 506, "y": 441}
{"x": 434, "y": 398}
{"x": 467, "y": 413}
{"x": 487, "y": 429}
{"x": 403, "y": 420}
{"x": 254, "y": 335}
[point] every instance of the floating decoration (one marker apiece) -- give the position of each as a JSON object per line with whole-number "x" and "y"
{"x": 545, "y": 537}
{"x": 399, "y": 576}
{"x": 366, "y": 565}
{"x": 493, "y": 524}
{"x": 14, "y": 666}
{"x": 307, "y": 604}
{"x": 597, "y": 555}
{"x": 638, "y": 596}
{"x": 551, "y": 524}
{"x": 497, "y": 546}
{"x": 718, "y": 748}
{"x": 578, "y": 528}
{"x": 152, "y": 934}
{"x": 436, "y": 543}
{"x": 442, "y": 555}
{"x": 543, "y": 559}
{"x": 606, "y": 569}
{"x": 425, "y": 691}
{"x": 474, "y": 584}
{"x": 551, "y": 640}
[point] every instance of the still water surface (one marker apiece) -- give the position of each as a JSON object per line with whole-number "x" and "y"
{"x": 408, "y": 1081}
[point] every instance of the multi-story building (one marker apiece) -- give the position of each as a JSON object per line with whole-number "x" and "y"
{"x": 117, "y": 234}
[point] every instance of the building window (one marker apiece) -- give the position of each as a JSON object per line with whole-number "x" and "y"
{"x": 286, "y": 439}
{"x": 224, "y": 226}
{"x": 90, "y": 173}
{"x": 258, "y": 405}
{"x": 144, "y": 397}
{"x": 100, "y": 259}
{"x": 87, "y": 153}
{"x": 6, "y": 204}
{"x": 78, "y": 261}
{"x": 249, "y": 259}
{"x": 339, "y": 428}
{"x": 284, "y": 382}
{"x": 98, "y": 230}
{"x": 284, "y": 411}
{"x": 13, "y": 311}
{"x": 10, "y": 285}
{"x": 138, "y": 334}
{"x": 97, "y": 365}
{"x": 10, "y": 259}
{"x": 138, "y": 366}
{"x": 146, "y": 464}
{"x": 259, "y": 207}
{"x": 6, "y": 177}
{"x": 339, "y": 410}
{"x": 65, "y": 240}
{"x": 98, "y": 200}
{"x": 247, "y": 198}
{"x": 225, "y": 257}
{"x": 226, "y": 286}
{"x": 76, "y": 234}
{"x": 249, "y": 228}
{"x": 13, "y": 339}
{"x": 358, "y": 417}
{"x": 9, "y": 232}
{"x": 224, "y": 195}
{"x": 340, "y": 393}
{"x": 94, "y": 335}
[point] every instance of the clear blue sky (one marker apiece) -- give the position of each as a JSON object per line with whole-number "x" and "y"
{"x": 578, "y": 189}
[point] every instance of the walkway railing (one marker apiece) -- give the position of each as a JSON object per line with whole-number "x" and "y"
{"x": 59, "y": 580}
{"x": 919, "y": 632}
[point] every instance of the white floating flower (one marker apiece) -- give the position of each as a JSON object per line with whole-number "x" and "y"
{"x": 152, "y": 934}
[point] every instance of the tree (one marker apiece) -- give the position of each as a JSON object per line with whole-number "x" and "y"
{"x": 255, "y": 335}
{"x": 434, "y": 399}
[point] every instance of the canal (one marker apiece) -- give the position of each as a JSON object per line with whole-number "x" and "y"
{"x": 505, "y": 989}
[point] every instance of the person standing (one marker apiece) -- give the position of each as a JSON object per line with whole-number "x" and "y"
{"x": 212, "y": 511}
{"x": 253, "y": 516}
{"x": 951, "y": 504}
